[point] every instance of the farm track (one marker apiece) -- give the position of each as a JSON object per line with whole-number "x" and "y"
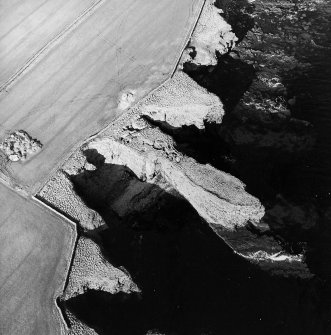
{"x": 104, "y": 129}
{"x": 69, "y": 89}
{"x": 30, "y": 208}
{"x": 51, "y": 44}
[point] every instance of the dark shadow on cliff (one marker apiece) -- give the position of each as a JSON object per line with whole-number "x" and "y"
{"x": 191, "y": 281}
{"x": 229, "y": 79}
{"x": 264, "y": 170}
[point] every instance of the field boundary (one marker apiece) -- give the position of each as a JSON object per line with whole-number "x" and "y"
{"x": 50, "y": 45}
{"x": 38, "y": 187}
{"x": 188, "y": 37}
{"x": 74, "y": 225}
{"x": 73, "y": 222}
{"x": 32, "y": 195}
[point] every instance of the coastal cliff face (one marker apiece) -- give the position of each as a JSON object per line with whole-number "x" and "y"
{"x": 195, "y": 203}
{"x": 273, "y": 85}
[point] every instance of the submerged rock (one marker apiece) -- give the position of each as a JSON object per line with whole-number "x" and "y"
{"x": 126, "y": 173}
{"x": 285, "y": 216}
{"x": 219, "y": 198}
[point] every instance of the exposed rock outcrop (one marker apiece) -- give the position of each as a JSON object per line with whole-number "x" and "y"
{"x": 181, "y": 102}
{"x": 59, "y": 193}
{"x": 212, "y": 36}
{"x": 154, "y": 332}
{"x": 91, "y": 271}
{"x": 125, "y": 173}
{"x": 77, "y": 327}
{"x": 126, "y": 99}
{"x": 158, "y": 167}
{"x": 250, "y": 79}
{"x": 218, "y": 197}
{"x": 19, "y": 145}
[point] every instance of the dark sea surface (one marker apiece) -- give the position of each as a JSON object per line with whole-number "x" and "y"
{"x": 313, "y": 177}
{"x": 193, "y": 284}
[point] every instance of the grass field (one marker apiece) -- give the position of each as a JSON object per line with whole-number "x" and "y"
{"x": 70, "y": 89}
{"x": 35, "y": 248}
{"x": 26, "y": 26}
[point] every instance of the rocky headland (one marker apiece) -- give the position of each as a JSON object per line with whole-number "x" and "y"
{"x": 188, "y": 193}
